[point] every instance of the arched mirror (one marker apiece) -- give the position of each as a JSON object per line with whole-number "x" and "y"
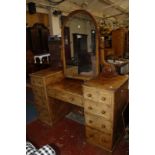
{"x": 80, "y": 46}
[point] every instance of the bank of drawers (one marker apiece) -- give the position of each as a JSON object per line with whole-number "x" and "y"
{"x": 98, "y": 107}
{"x": 40, "y": 98}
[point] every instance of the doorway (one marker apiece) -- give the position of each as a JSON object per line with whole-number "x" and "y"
{"x": 81, "y": 54}
{"x": 79, "y": 44}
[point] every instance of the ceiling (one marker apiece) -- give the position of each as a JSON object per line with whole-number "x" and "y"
{"x": 118, "y": 9}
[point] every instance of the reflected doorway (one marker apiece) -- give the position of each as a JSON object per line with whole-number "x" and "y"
{"x": 81, "y": 52}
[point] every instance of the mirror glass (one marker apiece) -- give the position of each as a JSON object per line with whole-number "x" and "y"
{"x": 79, "y": 46}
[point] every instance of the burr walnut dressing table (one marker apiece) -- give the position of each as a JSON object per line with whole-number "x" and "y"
{"x": 102, "y": 98}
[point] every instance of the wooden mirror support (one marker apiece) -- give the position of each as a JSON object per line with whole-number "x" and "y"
{"x": 80, "y": 46}
{"x": 108, "y": 70}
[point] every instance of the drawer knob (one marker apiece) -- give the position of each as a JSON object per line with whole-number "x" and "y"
{"x": 103, "y": 112}
{"x": 103, "y": 98}
{"x": 89, "y": 95}
{"x": 90, "y": 121}
{"x": 90, "y": 108}
{"x": 104, "y": 141}
{"x": 122, "y": 90}
{"x": 72, "y": 99}
{"x": 103, "y": 126}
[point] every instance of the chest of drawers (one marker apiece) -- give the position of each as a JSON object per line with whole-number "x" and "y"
{"x": 103, "y": 104}
{"x": 49, "y": 111}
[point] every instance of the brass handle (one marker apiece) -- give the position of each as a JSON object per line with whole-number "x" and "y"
{"x": 90, "y": 121}
{"x": 122, "y": 90}
{"x": 103, "y": 126}
{"x": 104, "y": 141}
{"x": 89, "y": 95}
{"x": 103, "y": 98}
{"x": 39, "y": 82}
{"x": 103, "y": 112}
{"x": 90, "y": 108}
{"x": 72, "y": 99}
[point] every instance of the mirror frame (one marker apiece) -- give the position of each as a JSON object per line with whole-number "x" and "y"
{"x": 63, "y": 44}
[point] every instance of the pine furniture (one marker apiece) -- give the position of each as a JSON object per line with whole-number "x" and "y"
{"x": 102, "y": 97}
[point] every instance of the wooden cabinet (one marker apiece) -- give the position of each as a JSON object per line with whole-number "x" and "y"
{"x": 36, "y": 43}
{"x": 103, "y": 104}
{"x": 41, "y": 100}
{"x": 55, "y": 51}
{"x": 49, "y": 111}
{"x": 37, "y": 38}
{"x": 116, "y": 44}
{"x": 108, "y": 41}
{"x": 120, "y": 42}
{"x": 31, "y": 19}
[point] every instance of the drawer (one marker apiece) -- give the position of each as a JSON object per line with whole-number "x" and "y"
{"x": 37, "y": 81}
{"x": 98, "y": 123}
{"x": 98, "y": 138}
{"x": 98, "y": 109}
{"x": 43, "y": 114}
{"x": 66, "y": 97}
{"x": 40, "y": 100}
{"x": 97, "y": 95}
{"x": 38, "y": 91}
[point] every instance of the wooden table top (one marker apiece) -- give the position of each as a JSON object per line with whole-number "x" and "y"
{"x": 112, "y": 83}
{"x": 69, "y": 85}
{"x": 46, "y": 72}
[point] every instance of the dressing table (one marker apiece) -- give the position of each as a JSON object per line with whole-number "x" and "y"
{"x": 101, "y": 97}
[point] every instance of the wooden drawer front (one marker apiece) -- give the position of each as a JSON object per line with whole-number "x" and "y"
{"x": 66, "y": 97}
{"x": 99, "y": 138}
{"x": 40, "y": 100}
{"x": 37, "y": 81}
{"x": 98, "y": 123}
{"x": 38, "y": 91}
{"x": 43, "y": 114}
{"x": 97, "y": 95}
{"x": 98, "y": 109}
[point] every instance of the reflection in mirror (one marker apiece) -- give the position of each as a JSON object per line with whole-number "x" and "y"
{"x": 80, "y": 46}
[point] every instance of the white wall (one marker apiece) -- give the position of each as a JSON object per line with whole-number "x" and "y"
{"x": 54, "y": 21}
{"x": 41, "y": 10}
{"x": 55, "y": 25}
